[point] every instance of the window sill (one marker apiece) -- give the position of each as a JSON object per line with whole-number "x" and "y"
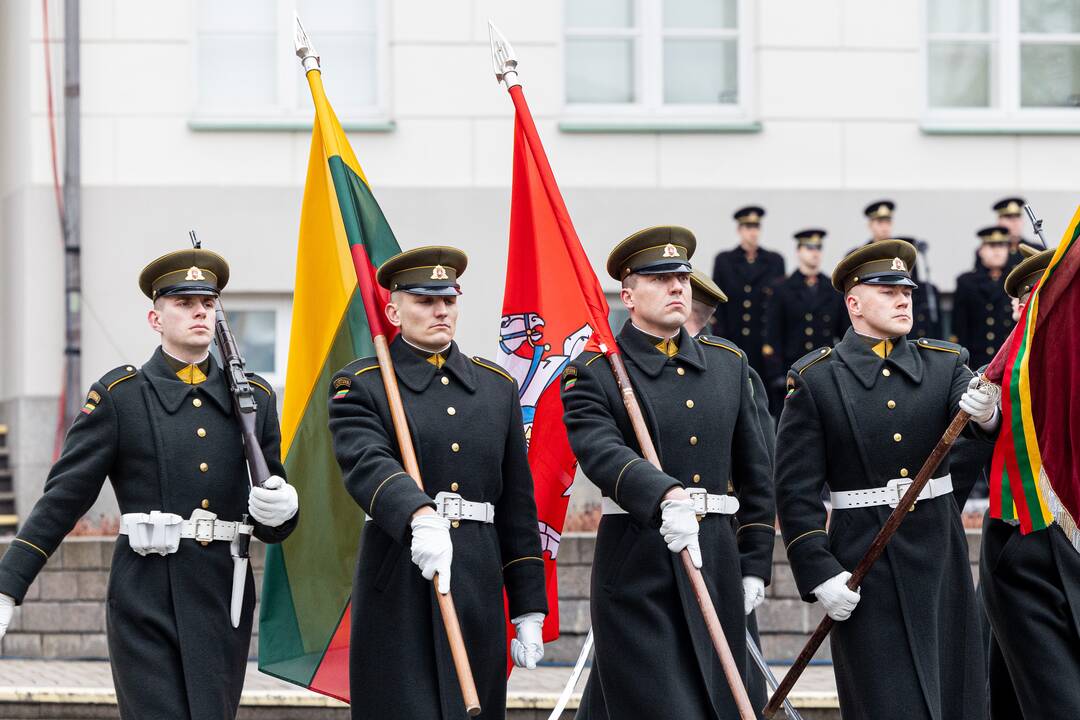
{"x": 961, "y": 128}
{"x": 652, "y": 125}
{"x": 204, "y": 124}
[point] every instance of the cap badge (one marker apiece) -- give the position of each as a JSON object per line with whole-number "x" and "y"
{"x": 1013, "y": 208}
{"x": 898, "y": 264}
{"x": 194, "y": 273}
{"x": 439, "y": 273}
{"x": 671, "y": 251}
{"x": 753, "y": 218}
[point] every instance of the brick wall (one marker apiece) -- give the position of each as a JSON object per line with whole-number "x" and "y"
{"x": 63, "y": 615}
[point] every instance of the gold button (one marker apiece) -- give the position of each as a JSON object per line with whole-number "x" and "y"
{"x": 989, "y": 321}
{"x": 205, "y": 504}
{"x": 689, "y": 403}
{"x": 746, "y": 303}
{"x": 455, "y": 524}
{"x": 444, "y": 380}
{"x": 891, "y": 404}
{"x": 204, "y": 543}
{"x": 697, "y": 478}
{"x": 990, "y": 336}
{"x": 201, "y": 432}
{"x": 897, "y": 437}
{"x": 746, "y": 317}
{"x": 197, "y": 402}
{"x": 903, "y": 472}
{"x": 203, "y": 467}
{"x": 746, "y": 288}
{"x": 885, "y": 372}
{"x": 680, "y": 371}
{"x": 693, "y": 439}
{"x": 129, "y": 368}
{"x": 989, "y": 306}
{"x": 454, "y": 486}
{"x": 455, "y": 447}
{"x": 809, "y": 316}
{"x": 746, "y": 331}
{"x": 809, "y": 346}
{"x": 809, "y": 331}
{"x": 451, "y": 411}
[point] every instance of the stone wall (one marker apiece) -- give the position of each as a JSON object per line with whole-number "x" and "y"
{"x": 63, "y": 615}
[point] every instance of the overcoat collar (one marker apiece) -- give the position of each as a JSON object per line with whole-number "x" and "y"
{"x": 640, "y": 347}
{"x": 413, "y": 369}
{"x": 172, "y": 391}
{"x": 867, "y": 366}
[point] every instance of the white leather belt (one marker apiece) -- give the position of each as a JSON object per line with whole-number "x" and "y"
{"x": 704, "y": 504}
{"x": 454, "y": 507}
{"x": 203, "y": 525}
{"x": 890, "y": 494}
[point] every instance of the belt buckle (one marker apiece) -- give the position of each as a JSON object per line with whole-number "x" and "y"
{"x": 450, "y": 505}
{"x": 901, "y": 485}
{"x": 204, "y": 525}
{"x": 699, "y": 499}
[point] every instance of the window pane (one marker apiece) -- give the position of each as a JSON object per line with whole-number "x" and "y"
{"x": 600, "y": 71}
{"x": 350, "y": 76}
{"x": 599, "y": 13}
{"x": 1050, "y": 16}
{"x": 1050, "y": 75}
{"x": 237, "y": 72}
{"x": 959, "y": 16}
{"x": 342, "y": 16}
{"x": 700, "y": 14}
{"x": 255, "y": 334}
{"x": 701, "y": 72}
{"x": 959, "y": 75}
{"x": 237, "y": 16}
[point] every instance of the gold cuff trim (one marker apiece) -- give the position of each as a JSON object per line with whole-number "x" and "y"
{"x": 805, "y": 534}
{"x": 371, "y": 510}
{"x": 619, "y": 479}
{"x": 522, "y": 559}
{"x": 768, "y": 527}
{"x": 27, "y": 542}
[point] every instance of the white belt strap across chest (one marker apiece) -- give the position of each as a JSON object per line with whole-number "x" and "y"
{"x": 454, "y": 507}
{"x": 704, "y": 503}
{"x": 203, "y": 526}
{"x": 890, "y": 494}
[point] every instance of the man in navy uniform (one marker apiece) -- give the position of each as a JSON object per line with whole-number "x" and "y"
{"x": 475, "y": 520}
{"x": 862, "y": 418}
{"x": 747, "y": 273}
{"x": 982, "y": 310}
{"x": 713, "y": 496}
{"x": 167, "y": 437}
{"x": 805, "y": 312}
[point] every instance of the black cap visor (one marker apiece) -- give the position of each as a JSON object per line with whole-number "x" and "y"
{"x": 431, "y": 290}
{"x": 888, "y": 279}
{"x": 187, "y": 289}
{"x": 664, "y": 267}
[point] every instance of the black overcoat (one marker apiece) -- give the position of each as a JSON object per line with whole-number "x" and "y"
{"x": 173, "y": 649}
{"x": 749, "y": 287}
{"x": 466, "y": 426}
{"x": 653, "y": 654}
{"x": 853, "y": 420}
{"x": 982, "y": 314}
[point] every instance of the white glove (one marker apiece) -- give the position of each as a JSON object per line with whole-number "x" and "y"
{"x": 274, "y": 503}
{"x": 980, "y": 405}
{"x": 7, "y": 606}
{"x": 679, "y": 526}
{"x": 432, "y": 549}
{"x": 835, "y": 596}
{"x": 753, "y": 590}
{"x": 527, "y": 648}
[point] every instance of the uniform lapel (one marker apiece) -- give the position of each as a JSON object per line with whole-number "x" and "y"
{"x": 461, "y": 367}
{"x": 411, "y": 368}
{"x": 170, "y": 389}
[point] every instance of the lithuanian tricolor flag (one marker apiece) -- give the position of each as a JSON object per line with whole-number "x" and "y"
{"x": 1035, "y": 472}
{"x": 337, "y": 307}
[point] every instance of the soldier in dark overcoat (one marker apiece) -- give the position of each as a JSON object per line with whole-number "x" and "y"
{"x": 747, "y": 274}
{"x": 653, "y": 654}
{"x": 474, "y": 522}
{"x": 1009, "y": 211}
{"x": 805, "y": 312}
{"x": 982, "y": 310}
{"x": 861, "y": 418}
{"x": 166, "y": 436}
{"x": 1031, "y": 590}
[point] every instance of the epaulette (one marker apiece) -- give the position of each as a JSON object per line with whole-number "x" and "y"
{"x": 814, "y": 356}
{"x": 939, "y": 345}
{"x": 719, "y": 342}
{"x": 118, "y": 375}
{"x": 360, "y": 365}
{"x": 259, "y": 382}
{"x": 595, "y": 356}
{"x": 488, "y": 365}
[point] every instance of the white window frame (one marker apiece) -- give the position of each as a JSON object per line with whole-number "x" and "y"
{"x": 650, "y": 33}
{"x": 281, "y": 304}
{"x": 287, "y": 114}
{"x": 1005, "y": 115}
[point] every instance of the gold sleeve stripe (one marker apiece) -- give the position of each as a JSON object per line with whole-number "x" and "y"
{"x": 117, "y": 382}
{"x": 621, "y": 473}
{"x": 765, "y": 526}
{"x": 522, "y": 559}
{"x": 27, "y": 542}
{"x": 805, "y": 534}
{"x": 703, "y": 341}
{"x": 493, "y": 369}
{"x": 364, "y": 370}
{"x": 376, "y": 494}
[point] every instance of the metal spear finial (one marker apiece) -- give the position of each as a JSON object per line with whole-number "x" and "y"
{"x": 304, "y": 49}
{"x": 503, "y": 57}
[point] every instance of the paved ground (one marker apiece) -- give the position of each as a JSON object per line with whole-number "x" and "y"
{"x": 90, "y": 682}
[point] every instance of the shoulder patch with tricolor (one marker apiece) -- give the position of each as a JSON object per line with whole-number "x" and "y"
{"x": 92, "y": 400}
{"x": 569, "y": 377}
{"x": 792, "y": 388}
{"x": 341, "y": 387}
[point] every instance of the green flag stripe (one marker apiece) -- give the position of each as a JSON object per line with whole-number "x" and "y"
{"x": 364, "y": 220}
